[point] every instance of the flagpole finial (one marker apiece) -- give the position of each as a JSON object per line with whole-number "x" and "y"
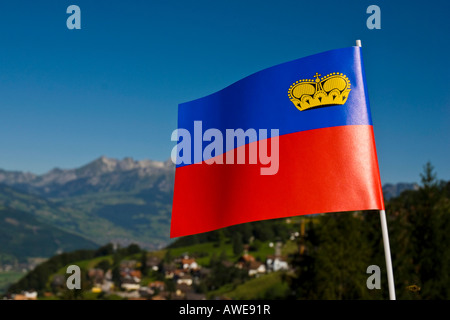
{"x": 358, "y": 43}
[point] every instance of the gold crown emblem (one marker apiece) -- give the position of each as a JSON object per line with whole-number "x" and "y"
{"x": 330, "y": 90}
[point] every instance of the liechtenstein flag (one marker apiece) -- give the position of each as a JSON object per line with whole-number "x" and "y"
{"x": 293, "y": 139}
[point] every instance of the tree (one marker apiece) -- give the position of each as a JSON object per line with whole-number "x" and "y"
{"x": 336, "y": 258}
{"x": 430, "y": 220}
{"x": 263, "y": 230}
{"x": 106, "y": 250}
{"x": 105, "y": 265}
{"x": 167, "y": 257}
{"x": 132, "y": 249}
{"x": 144, "y": 267}
{"x": 420, "y": 230}
{"x": 238, "y": 246}
{"x": 222, "y": 273}
{"x": 218, "y": 237}
{"x": 302, "y": 283}
{"x": 116, "y": 277}
{"x": 170, "y": 285}
{"x": 428, "y": 177}
{"x": 342, "y": 257}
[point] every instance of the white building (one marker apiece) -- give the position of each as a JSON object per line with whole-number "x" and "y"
{"x": 256, "y": 268}
{"x": 276, "y": 264}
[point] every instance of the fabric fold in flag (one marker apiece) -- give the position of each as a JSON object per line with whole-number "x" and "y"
{"x": 293, "y": 139}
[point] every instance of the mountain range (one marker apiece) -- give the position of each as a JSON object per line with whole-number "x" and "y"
{"x": 108, "y": 200}
{"x": 101, "y": 175}
{"x": 391, "y": 190}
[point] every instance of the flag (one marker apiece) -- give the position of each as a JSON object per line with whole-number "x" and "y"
{"x": 293, "y": 139}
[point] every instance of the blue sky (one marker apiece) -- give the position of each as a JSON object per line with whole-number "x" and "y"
{"x": 113, "y": 87}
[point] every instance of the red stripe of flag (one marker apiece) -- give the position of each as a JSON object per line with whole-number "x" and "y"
{"x": 322, "y": 170}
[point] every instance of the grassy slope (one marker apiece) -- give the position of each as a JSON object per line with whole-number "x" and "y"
{"x": 116, "y": 215}
{"x": 203, "y": 252}
{"x": 22, "y": 235}
{"x": 268, "y": 286}
{"x": 9, "y": 277}
{"x": 100, "y": 217}
{"x": 253, "y": 289}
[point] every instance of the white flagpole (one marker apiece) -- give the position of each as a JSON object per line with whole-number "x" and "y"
{"x": 387, "y": 255}
{"x": 387, "y": 249}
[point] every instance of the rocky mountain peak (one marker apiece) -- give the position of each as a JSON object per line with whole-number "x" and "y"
{"x": 103, "y": 173}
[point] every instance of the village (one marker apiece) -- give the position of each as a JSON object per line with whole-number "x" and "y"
{"x": 177, "y": 279}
